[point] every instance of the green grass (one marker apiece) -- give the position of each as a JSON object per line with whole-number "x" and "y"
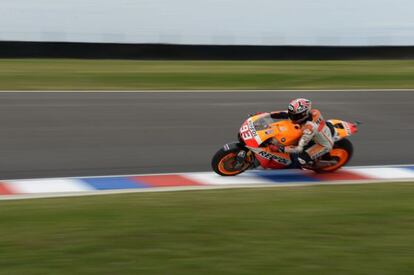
{"x": 61, "y": 74}
{"x": 361, "y": 229}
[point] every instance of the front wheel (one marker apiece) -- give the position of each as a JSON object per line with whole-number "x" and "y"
{"x": 341, "y": 153}
{"x": 225, "y": 162}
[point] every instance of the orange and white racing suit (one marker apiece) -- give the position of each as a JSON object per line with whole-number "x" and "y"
{"x": 314, "y": 129}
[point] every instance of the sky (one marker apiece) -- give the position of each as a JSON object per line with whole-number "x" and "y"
{"x": 235, "y": 22}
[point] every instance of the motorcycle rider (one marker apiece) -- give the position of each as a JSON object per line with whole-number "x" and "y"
{"x": 317, "y": 137}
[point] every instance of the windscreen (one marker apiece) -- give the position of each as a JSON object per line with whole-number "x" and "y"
{"x": 263, "y": 123}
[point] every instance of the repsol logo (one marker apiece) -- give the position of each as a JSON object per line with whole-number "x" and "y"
{"x": 252, "y": 128}
{"x": 276, "y": 158}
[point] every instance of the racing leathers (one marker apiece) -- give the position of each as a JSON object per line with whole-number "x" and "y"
{"x": 314, "y": 129}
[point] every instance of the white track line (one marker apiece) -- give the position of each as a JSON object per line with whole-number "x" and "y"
{"x": 211, "y": 91}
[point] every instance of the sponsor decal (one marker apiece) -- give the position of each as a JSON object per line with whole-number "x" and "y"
{"x": 276, "y": 158}
{"x": 252, "y": 128}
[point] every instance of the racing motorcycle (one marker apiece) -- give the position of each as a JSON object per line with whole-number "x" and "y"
{"x": 259, "y": 131}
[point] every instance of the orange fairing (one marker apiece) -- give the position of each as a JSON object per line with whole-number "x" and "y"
{"x": 259, "y": 128}
{"x": 287, "y": 133}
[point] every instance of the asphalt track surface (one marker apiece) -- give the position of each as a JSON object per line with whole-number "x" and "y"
{"x": 56, "y": 134}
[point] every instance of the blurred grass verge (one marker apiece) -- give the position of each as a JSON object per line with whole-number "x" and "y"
{"x": 73, "y": 74}
{"x": 360, "y": 229}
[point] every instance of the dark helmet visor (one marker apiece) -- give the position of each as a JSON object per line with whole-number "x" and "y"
{"x": 297, "y": 117}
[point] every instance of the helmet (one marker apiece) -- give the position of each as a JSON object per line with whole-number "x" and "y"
{"x": 299, "y": 110}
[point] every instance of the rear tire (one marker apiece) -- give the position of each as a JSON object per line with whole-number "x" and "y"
{"x": 342, "y": 151}
{"x": 223, "y": 162}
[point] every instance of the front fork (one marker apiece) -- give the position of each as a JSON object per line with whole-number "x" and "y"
{"x": 244, "y": 154}
{"x": 242, "y": 157}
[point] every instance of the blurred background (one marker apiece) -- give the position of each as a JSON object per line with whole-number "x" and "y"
{"x": 99, "y": 88}
{"x": 219, "y": 23}
{"x": 211, "y": 22}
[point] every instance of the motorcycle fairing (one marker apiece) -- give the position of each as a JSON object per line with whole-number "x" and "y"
{"x": 260, "y": 128}
{"x": 343, "y": 129}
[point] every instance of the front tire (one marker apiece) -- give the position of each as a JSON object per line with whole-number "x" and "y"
{"x": 223, "y": 162}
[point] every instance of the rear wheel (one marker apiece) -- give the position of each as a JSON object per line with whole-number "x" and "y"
{"x": 225, "y": 163}
{"x": 341, "y": 153}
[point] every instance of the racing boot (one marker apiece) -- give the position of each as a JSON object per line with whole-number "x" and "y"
{"x": 304, "y": 160}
